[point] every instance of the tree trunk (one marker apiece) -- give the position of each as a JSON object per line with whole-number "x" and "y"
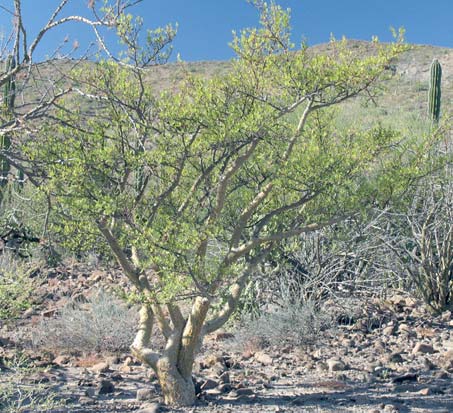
{"x": 177, "y": 389}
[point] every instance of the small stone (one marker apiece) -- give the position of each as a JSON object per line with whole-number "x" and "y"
{"x": 335, "y": 365}
{"x": 225, "y": 388}
{"x": 223, "y": 335}
{"x": 321, "y": 366}
{"x": 150, "y": 408}
{"x": 100, "y": 368}
{"x": 446, "y": 316}
{"x": 144, "y": 394}
{"x": 214, "y": 392}
{"x": 209, "y": 384}
{"x": 116, "y": 376}
{"x": 90, "y": 392}
{"x": 448, "y": 345}
{"x": 49, "y": 313}
{"x": 244, "y": 392}
{"x": 396, "y": 358}
{"x": 409, "y": 377}
{"x": 61, "y": 360}
{"x": 105, "y": 387}
{"x": 390, "y": 408}
{"x": 125, "y": 369}
{"x": 423, "y": 348}
{"x": 404, "y": 329}
{"x": 425, "y": 392}
{"x": 224, "y": 378}
{"x": 429, "y": 365}
{"x": 128, "y": 361}
{"x": 389, "y": 331}
{"x": 263, "y": 358}
{"x": 442, "y": 375}
{"x": 83, "y": 400}
{"x": 232, "y": 395}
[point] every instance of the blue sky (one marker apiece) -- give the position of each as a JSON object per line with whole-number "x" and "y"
{"x": 205, "y": 25}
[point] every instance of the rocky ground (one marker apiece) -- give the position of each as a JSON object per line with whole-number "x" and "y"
{"x": 392, "y": 357}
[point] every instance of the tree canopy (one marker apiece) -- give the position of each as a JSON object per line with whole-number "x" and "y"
{"x": 191, "y": 189}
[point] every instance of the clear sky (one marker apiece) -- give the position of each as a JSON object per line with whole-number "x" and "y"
{"x": 205, "y": 25}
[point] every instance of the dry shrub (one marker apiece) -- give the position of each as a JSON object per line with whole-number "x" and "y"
{"x": 295, "y": 324}
{"x": 102, "y": 324}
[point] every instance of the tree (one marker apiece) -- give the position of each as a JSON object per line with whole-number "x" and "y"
{"x": 192, "y": 189}
{"x": 30, "y": 88}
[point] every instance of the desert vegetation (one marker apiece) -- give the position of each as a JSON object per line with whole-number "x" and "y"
{"x": 273, "y": 204}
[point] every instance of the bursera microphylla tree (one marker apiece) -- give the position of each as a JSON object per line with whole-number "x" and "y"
{"x": 191, "y": 190}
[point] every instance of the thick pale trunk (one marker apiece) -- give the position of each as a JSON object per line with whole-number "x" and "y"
{"x": 177, "y": 389}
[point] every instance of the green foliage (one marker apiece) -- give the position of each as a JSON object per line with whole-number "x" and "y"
{"x": 16, "y": 286}
{"x": 18, "y": 396}
{"x": 229, "y": 166}
{"x": 434, "y": 94}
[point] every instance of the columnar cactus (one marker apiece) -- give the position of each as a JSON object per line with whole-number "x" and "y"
{"x": 9, "y": 95}
{"x": 434, "y": 91}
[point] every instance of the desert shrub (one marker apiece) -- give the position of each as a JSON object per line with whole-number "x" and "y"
{"x": 420, "y": 240}
{"x": 295, "y": 324}
{"x": 291, "y": 316}
{"x": 17, "y": 396}
{"x": 17, "y": 284}
{"x": 102, "y": 323}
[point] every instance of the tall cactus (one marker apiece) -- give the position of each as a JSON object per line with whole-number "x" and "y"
{"x": 9, "y": 95}
{"x": 435, "y": 91}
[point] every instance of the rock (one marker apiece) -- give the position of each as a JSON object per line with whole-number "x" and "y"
{"x": 423, "y": 348}
{"x": 61, "y": 360}
{"x": 395, "y": 358}
{"x": 446, "y": 316}
{"x": 144, "y": 394}
{"x": 223, "y": 335}
{"x": 404, "y": 329}
{"x": 83, "y": 400}
{"x": 49, "y": 313}
{"x": 105, "y": 387}
{"x": 244, "y": 392}
{"x": 209, "y": 384}
{"x": 150, "y": 408}
{"x": 263, "y": 358}
{"x": 28, "y": 313}
{"x": 390, "y": 408}
{"x": 425, "y": 392}
{"x": 232, "y": 395}
{"x": 428, "y": 364}
{"x": 448, "y": 345}
{"x": 225, "y": 388}
{"x": 128, "y": 361}
{"x": 442, "y": 375}
{"x": 408, "y": 377}
{"x": 224, "y": 378}
{"x": 125, "y": 369}
{"x": 335, "y": 365}
{"x": 116, "y": 376}
{"x": 211, "y": 361}
{"x": 214, "y": 392}
{"x": 321, "y": 366}
{"x": 389, "y": 330}
{"x": 90, "y": 392}
{"x": 100, "y": 368}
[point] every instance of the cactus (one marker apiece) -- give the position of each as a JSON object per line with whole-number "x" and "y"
{"x": 434, "y": 91}
{"x": 9, "y": 94}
